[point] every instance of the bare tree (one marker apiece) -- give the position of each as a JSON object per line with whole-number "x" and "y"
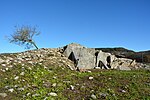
{"x": 24, "y": 36}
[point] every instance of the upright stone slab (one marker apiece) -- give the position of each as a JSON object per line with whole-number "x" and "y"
{"x": 104, "y": 60}
{"x": 82, "y": 57}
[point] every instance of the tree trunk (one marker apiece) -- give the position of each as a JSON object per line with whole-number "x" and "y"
{"x": 35, "y": 45}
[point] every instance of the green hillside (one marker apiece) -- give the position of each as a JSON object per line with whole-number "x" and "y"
{"x": 60, "y": 83}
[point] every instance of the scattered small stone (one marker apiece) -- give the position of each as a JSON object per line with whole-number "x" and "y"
{"x": 52, "y": 94}
{"x": 147, "y": 84}
{"x": 19, "y": 62}
{"x": 20, "y": 89}
{"x": 54, "y": 84}
{"x": 90, "y": 78}
{"x": 4, "y": 65}
{"x": 103, "y": 95}
{"x": 54, "y": 77}
{"x": 123, "y": 91}
{"x": 6, "y": 69}
{"x": 3, "y": 70}
{"x": 6, "y": 87}
{"x": 114, "y": 94}
{"x": 22, "y": 73}
{"x": 28, "y": 94}
{"x": 45, "y": 98}
{"x": 10, "y": 66}
{"x": 30, "y": 62}
{"x": 16, "y": 78}
{"x": 3, "y": 95}
{"x": 97, "y": 67}
{"x": 16, "y": 86}
{"x": 35, "y": 77}
{"x": 45, "y": 67}
{"x": 11, "y": 90}
{"x": 93, "y": 96}
{"x": 71, "y": 87}
{"x": 66, "y": 81}
{"x": 24, "y": 96}
{"x": 29, "y": 68}
{"x": 35, "y": 95}
{"x": 89, "y": 71}
{"x": 77, "y": 84}
{"x": 82, "y": 87}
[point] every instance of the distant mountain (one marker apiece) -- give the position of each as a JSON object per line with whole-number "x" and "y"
{"x": 142, "y": 56}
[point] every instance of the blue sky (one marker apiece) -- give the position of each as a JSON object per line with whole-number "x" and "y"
{"x": 93, "y": 23}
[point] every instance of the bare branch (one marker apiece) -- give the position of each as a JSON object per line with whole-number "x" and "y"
{"x": 24, "y": 36}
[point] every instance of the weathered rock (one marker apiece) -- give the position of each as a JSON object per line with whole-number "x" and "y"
{"x": 103, "y": 95}
{"x": 3, "y": 95}
{"x": 104, "y": 60}
{"x": 72, "y": 87}
{"x": 11, "y": 90}
{"x": 123, "y": 68}
{"x": 81, "y": 56}
{"x": 93, "y": 96}
{"x": 52, "y": 94}
{"x": 1, "y": 61}
{"x": 74, "y": 56}
{"x": 41, "y": 56}
{"x": 90, "y": 78}
{"x": 89, "y": 58}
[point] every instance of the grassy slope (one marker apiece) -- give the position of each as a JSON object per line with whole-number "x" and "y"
{"x": 38, "y": 81}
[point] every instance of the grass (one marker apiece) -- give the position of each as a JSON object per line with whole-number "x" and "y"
{"x": 38, "y": 82}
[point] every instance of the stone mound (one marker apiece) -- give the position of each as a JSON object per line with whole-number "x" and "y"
{"x": 32, "y": 57}
{"x": 73, "y": 56}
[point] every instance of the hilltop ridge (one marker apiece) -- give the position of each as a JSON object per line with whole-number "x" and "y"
{"x": 61, "y": 57}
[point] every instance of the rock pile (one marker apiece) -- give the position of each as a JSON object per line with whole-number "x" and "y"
{"x": 42, "y": 56}
{"x": 74, "y": 56}
{"x": 89, "y": 58}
